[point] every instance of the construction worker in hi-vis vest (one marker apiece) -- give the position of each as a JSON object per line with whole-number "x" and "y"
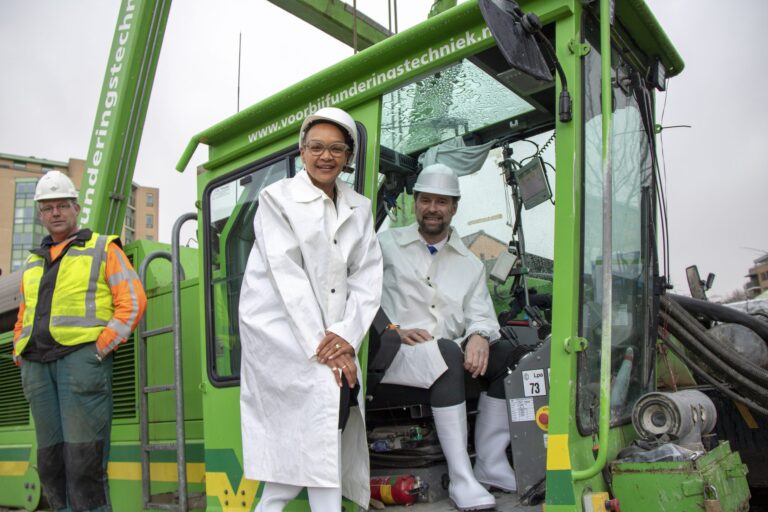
{"x": 81, "y": 298}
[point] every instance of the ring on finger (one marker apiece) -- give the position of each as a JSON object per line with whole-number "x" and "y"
{"x": 338, "y": 346}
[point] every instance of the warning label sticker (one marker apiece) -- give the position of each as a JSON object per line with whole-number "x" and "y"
{"x": 521, "y": 409}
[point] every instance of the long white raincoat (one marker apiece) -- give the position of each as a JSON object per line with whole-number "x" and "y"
{"x": 313, "y": 267}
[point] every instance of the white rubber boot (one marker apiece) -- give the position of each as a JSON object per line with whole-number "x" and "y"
{"x": 275, "y": 496}
{"x": 465, "y": 492}
{"x": 491, "y": 440}
{"x": 326, "y": 499}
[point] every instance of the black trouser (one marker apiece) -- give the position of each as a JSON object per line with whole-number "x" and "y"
{"x": 448, "y": 390}
{"x": 347, "y": 400}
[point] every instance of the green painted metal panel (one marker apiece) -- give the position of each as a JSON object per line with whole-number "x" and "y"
{"x": 560, "y": 488}
{"x": 132, "y": 453}
{"x": 683, "y": 486}
{"x": 567, "y": 268}
{"x": 649, "y": 35}
{"x": 120, "y": 113}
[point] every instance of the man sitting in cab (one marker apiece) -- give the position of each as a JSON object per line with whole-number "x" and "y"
{"x": 435, "y": 295}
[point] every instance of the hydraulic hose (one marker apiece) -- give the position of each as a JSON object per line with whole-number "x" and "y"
{"x": 691, "y": 343}
{"x": 698, "y": 370}
{"x": 722, "y": 314}
{"x": 734, "y": 359}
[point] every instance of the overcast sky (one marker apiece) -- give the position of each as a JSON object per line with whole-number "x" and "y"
{"x": 53, "y": 54}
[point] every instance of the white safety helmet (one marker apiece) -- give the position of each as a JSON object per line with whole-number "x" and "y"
{"x": 55, "y": 185}
{"x": 336, "y": 116}
{"x": 438, "y": 179}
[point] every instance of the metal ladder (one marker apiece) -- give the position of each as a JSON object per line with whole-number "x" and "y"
{"x": 142, "y": 336}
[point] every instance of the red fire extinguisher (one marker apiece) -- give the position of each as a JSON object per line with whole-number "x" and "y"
{"x": 397, "y": 489}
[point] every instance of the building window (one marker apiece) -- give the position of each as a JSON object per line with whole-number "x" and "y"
{"x": 27, "y": 229}
{"x": 150, "y": 237}
{"x": 129, "y": 221}
{"x": 150, "y": 221}
{"x": 150, "y": 199}
{"x": 25, "y": 188}
{"x": 21, "y": 166}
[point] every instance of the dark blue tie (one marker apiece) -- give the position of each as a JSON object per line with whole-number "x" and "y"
{"x": 432, "y": 249}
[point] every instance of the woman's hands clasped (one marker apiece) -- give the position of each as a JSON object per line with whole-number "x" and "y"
{"x": 336, "y": 353}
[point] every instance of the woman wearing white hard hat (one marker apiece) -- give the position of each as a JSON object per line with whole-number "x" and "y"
{"x": 311, "y": 288}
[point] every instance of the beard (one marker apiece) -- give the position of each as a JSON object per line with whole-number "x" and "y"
{"x": 432, "y": 229}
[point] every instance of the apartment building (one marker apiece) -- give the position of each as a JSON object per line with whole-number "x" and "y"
{"x": 20, "y": 227}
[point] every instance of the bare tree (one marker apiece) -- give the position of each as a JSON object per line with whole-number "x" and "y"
{"x": 737, "y": 295}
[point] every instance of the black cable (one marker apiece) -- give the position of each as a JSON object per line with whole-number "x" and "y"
{"x": 643, "y": 98}
{"x": 546, "y": 144}
{"x": 691, "y": 343}
{"x": 711, "y": 380}
{"x": 530, "y": 142}
{"x": 565, "y": 104}
{"x": 553, "y": 56}
{"x": 663, "y": 167}
{"x": 733, "y": 358}
{"x": 721, "y": 313}
{"x": 659, "y": 186}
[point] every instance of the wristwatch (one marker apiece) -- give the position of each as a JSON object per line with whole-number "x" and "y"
{"x": 482, "y": 334}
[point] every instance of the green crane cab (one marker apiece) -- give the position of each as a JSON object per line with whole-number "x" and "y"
{"x": 556, "y": 125}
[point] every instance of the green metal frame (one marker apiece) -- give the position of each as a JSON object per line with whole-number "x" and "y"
{"x": 271, "y": 126}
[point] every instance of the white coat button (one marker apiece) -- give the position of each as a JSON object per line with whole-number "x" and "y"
{"x": 333, "y": 290}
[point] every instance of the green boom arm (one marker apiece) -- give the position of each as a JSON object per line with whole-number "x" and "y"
{"x": 121, "y": 112}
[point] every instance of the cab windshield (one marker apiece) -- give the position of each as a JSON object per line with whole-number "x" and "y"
{"x": 464, "y": 116}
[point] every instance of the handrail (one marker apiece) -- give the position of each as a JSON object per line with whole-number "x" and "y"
{"x": 604, "y": 421}
{"x": 178, "y": 385}
{"x": 180, "y": 434}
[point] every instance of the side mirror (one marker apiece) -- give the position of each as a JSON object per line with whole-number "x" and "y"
{"x": 698, "y": 287}
{"x": 514, "y": 32}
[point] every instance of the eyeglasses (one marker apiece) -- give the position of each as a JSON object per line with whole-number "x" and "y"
{"x": 317, "y": 148}
{"x": 62, "y": 207}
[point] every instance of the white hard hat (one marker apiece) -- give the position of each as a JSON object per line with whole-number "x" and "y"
{"x": 336, "y": 116}
{"x": 438, "y": 179}
{"x": 55, "y": 185}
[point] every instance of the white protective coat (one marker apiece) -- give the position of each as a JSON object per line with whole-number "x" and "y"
{"x": 312, "y": 268}
{"x": 444, "y": 294}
